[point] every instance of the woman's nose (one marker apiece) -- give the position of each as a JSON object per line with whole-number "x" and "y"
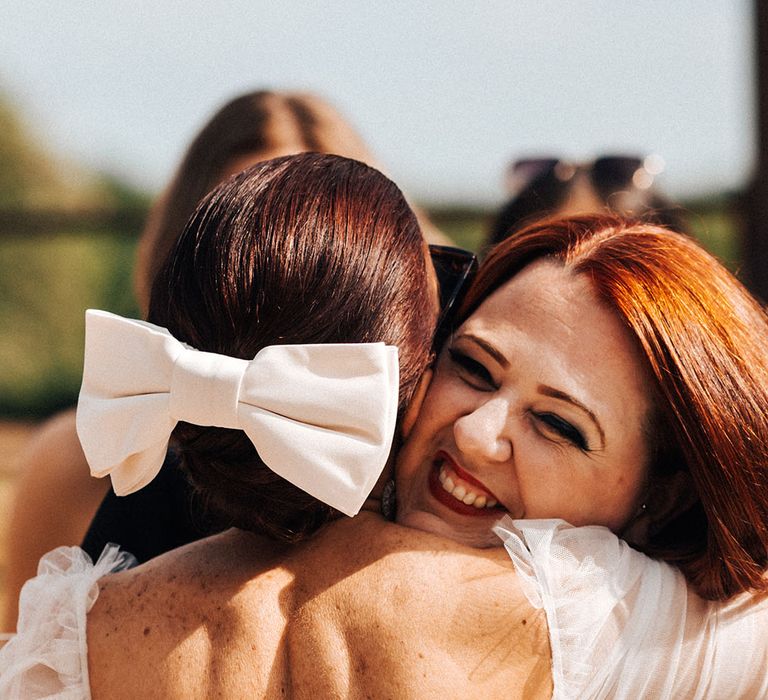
{"x": 483, "y": 433}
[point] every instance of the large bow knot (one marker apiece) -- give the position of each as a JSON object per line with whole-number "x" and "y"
{"x": 321, "y": 416}
{"x": 216, "y": 377}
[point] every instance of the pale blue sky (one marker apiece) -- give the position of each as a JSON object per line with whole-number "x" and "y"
{"x": 445, "y": 92}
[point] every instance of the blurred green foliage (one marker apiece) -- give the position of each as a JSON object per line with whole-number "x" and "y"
{"x": 466, "y": 227}
{"x": 24, "y": 171}
{"x": 52, "y": 268}
{"x": 46, "y": 283}
{"x": 716, "y": 224}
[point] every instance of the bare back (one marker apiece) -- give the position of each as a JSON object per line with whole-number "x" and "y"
{"x": 365, "y": 609}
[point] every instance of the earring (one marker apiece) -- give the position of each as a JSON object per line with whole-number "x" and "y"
{"x": 389, "y": 500}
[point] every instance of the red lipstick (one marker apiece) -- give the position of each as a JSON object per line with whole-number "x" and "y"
{"x": 446, "y": 499}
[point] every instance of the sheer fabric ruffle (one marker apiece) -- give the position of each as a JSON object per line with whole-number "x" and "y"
{"x": 48, "y": 655}
{"x": 624, "y": 626}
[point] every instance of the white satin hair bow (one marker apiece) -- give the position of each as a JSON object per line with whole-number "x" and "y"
{"x": 321, "y": 416}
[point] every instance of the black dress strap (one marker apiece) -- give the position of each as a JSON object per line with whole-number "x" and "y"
{"x": 163, "y": 515}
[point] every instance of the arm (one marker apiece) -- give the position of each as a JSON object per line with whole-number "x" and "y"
{"x": 55, "y": 500}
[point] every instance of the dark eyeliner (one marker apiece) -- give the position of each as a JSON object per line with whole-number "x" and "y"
{"x": 471, "y": 366}
{"x": 564, "y": 429}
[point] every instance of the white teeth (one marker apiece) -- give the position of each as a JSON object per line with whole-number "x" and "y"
{"x": 462, "y": 493}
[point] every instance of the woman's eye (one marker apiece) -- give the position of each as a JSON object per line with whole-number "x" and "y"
{"x": 563, "y": 429}
{"x": 471, "y": 367}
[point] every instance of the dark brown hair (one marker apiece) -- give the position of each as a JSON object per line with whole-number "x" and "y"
{"x": 301, "y": 249}
{"x": 261, "y": 122}
{"x": 704, "y": 339}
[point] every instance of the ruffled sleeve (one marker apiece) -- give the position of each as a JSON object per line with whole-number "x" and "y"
{"x": 616, "y": 618}
{"x": 48, "y": 656}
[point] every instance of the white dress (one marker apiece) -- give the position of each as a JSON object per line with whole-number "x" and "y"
{"x": 620, "y": 624}
{"x": 623, "y": 626}
{"x": 48, "y": 657}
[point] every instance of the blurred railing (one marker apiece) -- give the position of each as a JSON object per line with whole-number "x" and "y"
{"x": 40, "y": 222}
{"x": 54, "y": 265}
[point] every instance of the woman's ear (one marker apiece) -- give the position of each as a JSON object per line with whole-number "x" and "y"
{"x": 668, "y": 497}
{"x": 672, "y": 496}
{"x": 412, "y": 412}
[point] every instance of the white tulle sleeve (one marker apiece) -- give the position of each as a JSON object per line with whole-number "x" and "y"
{"x": 624, "y": 626}
{"x": 48, "y": 655}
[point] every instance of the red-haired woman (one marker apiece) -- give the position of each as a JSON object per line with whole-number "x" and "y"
{"x": 610, "y": 374}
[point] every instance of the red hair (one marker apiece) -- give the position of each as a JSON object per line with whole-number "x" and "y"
{"x": 704, "y": 339}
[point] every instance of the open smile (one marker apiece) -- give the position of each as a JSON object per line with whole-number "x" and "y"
{"x": 461, "y": 492}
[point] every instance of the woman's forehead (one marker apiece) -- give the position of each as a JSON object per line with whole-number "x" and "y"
{"x": 549, "y": 322}
{"x": 546, "y": 296}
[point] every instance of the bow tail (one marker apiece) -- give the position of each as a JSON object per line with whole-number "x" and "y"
{"x": 135, "y": 471}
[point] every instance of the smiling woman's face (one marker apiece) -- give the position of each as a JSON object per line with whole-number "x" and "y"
{"x": 539, "y": 408}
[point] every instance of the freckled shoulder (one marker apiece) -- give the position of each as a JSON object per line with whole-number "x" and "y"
{"x": 364, "y": 609}
{"x": 175, "y": 626}
{"x": 406, "y": 614}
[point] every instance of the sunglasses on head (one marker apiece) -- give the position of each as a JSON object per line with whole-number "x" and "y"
{"x": 608, "y": 174}
{"x": 454, "y": 268}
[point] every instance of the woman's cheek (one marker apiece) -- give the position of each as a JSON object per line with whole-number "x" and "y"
{"x": 441, "y": 402}
{"x": 455, "y": 393}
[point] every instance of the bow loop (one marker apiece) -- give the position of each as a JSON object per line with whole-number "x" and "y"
{"x": 321, "y": 416}
{"x": 313, "y": 386}
{"x": 329, "y": 420}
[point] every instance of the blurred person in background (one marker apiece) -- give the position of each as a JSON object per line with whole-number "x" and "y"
{"x": 56, "y": 497}
{"x": 547, "y": 186}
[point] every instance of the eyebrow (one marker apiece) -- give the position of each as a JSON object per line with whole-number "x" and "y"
{"x": 557, "y": 394}
{"x": 485, "y": 345}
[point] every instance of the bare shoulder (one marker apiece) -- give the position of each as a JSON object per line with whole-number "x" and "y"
{"x": 416, "y": 616}
{"x": 141, "y": 619}
{"x": 175, "y": 626}
{"x": 56, "y": 443}
{"x": 54, "y": 471}
{"x": 364, "y": 609}
{"x": 55, "y": 498}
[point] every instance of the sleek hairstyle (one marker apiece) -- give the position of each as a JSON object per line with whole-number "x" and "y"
{"x": 300, "y": 249}
{"x": 263, "y": 122}
{"x": 704, "y": 339}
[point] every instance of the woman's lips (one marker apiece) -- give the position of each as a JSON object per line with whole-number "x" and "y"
{"x": 459, "y": 491}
